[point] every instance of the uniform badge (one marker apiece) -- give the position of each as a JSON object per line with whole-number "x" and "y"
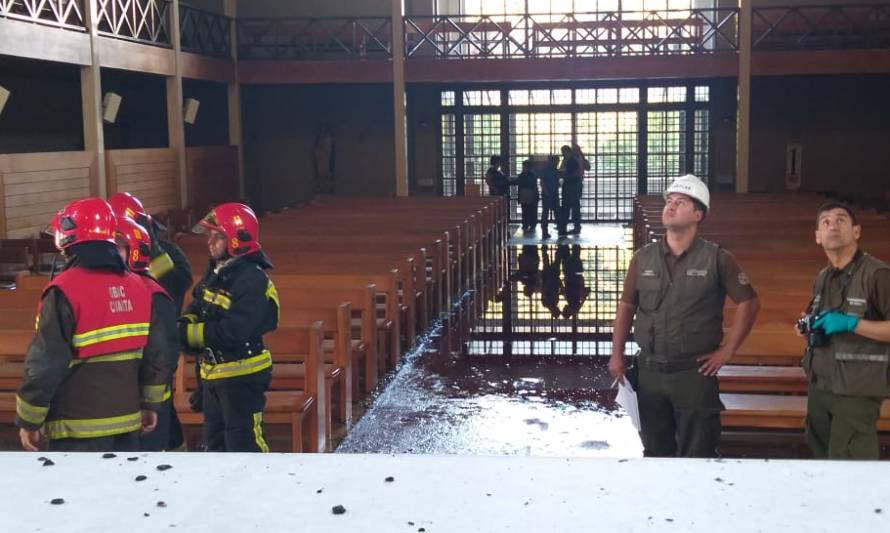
{"x": 743, "y": 279}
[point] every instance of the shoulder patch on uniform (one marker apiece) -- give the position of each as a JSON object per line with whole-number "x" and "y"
{"x": 697, "y": 273}
{"x": 744, "y": 279}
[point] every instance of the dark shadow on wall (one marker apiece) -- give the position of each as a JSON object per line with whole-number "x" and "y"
{"x": 281, "y": 128}
{"x": 43, "y": 113}
{"x": 841, "y": 122}
{"x": 211, "y": 128}
{"x": 141, "y": 121}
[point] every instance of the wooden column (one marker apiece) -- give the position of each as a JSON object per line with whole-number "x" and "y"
{"x": 400, "y": 130}
{"x": 175, "y": 124}
{"x": 91, "y": 106}
{"x": 236, "y": 136}
{"x": 743, "y": 145}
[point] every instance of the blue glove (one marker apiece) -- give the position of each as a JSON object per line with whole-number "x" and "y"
{"x": 836, "y": 322}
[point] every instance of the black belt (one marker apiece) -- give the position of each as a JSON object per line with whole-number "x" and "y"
{"x": 218, "y": 357}
{"x": 668, "y": 367}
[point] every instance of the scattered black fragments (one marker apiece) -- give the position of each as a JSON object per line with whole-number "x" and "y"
{"x": 389, "y": 479}
{"x": 41, "y": 458}
{"x": 338, "y": 509}
{"x": 141, "y": 478}
{"x": 162, "y": 504}
{"x": 132, "y": 458}
{"x": 57, "y": 501}
{"x": 109, "y": 455}
{"x": 48, "y": 462}
{"x": 878, "y": 511}
{"x": 145, "y": 514}
{"x": 410, "y": 523}
{"x": 421, "y": 529}
{"x": 164, "y": 467}
{"x": 319, "y": 491}
{"x": 668, "y": 519}
{"x": 622, "y": 460}
{"x": 718, "y": 480}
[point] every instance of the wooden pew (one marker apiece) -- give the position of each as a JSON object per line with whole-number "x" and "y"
{"x": 301, "y": 410}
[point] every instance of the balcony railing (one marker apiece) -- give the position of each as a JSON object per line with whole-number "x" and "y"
{"x": 523, "y": 35}
{"x": 67, "y": 14}
{"x": 204, "y": 32}
{"x": 315, "y": 38}
{"x": 821, "y": 27}
{"x": 596, "y": 34}
{"x": 144, "y": 21}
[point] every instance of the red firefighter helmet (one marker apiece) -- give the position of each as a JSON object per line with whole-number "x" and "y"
{"x": 138, "y": 242}
{"x": 239, "y": 225}
{"x": 125, "y": 204}
{"x": 84, "y": 220}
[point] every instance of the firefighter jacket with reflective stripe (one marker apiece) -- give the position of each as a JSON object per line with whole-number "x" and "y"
{"x": 164, "y": 313}
{"x": 232, "y": 307}
{"x": 679, "y": 318}
{"x": 97, "y": 396}
{"x": 172, "y": 270}
{"x": 849, "y": 364}
{"x": 111, "y": 310}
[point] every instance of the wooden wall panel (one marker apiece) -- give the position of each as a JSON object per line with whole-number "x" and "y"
{"x": 149, "y": 173}
{"x": 212, "y": 176}
{"x": 35, "y": 186}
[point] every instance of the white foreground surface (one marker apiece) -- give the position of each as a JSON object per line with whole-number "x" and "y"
{"x": 279, "y": 493}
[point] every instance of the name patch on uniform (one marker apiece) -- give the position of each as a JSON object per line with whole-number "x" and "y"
{"x": 648, "y": 274}
{"x": 856, "y": 301}
{"x": 695, "y": 273}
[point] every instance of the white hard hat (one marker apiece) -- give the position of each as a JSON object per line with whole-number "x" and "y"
{"x": 690, "y": 186}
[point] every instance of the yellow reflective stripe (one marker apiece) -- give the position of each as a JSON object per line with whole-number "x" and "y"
{"x": 217, "y": 298}
{"x": 272, "y": 294}
{"x": 112, "y": 358}
{"x": 93, "y": 427}
{"x": 190, "y": 318}
{"x": 194, "y": 334}
{"x": 110, "y": 333}
{"x": 160, "y": 265}
{"x": 241, "y": 367}
{"x": 155, "y": 393}
{"x": 258, "y": 432}
{"x": 33, "y": 414}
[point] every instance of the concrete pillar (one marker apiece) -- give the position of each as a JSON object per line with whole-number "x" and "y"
{"x": 175, "y": 124}
{"x": 236, "y": 137}
{"x": 400, "y": 122}
{"x": 91, "y": 105}
{"x": 743, "y": 151}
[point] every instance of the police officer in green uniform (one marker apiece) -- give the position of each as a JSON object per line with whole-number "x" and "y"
{"x": 847, "y": 358}
{"x": 674, "y": 293}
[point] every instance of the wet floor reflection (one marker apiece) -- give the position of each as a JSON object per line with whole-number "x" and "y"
{"x": 528, "y": 378}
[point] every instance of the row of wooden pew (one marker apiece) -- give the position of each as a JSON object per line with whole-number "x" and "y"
{"x": 772, "y": 237}
{"x": 359, "y": 281}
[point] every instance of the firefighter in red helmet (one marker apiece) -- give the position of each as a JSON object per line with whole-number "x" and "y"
{"x": 170, "y": 267}
{"x": 233, "y": 305}
{"x": 95, "y": 372}
{"x": 134, "y": 246}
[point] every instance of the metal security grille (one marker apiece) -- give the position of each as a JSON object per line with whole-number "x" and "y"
{"x": 636, "y": 139}
{"x": 611, "y": 138}
{"x": 561, "y": 300}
